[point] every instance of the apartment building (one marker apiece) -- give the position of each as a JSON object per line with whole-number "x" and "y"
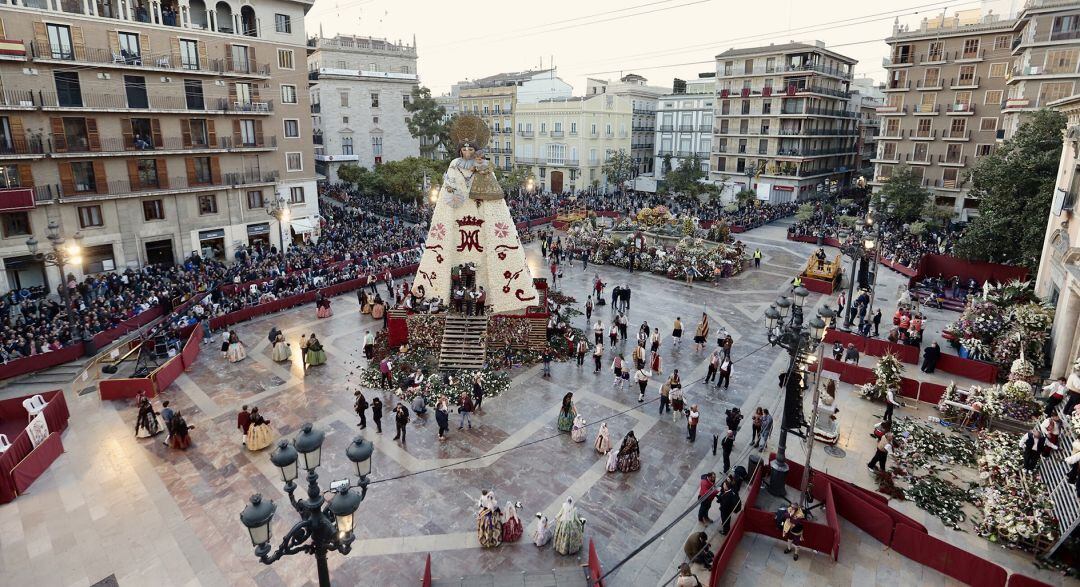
{"x": 643, "y": 100}
{"x": 685, "y": 124}
{"x": 151, "y": 130}
{"x": 359, "y": 87}
{"x": 943, "y": 94}
{"x": 565, "y": 141}
{"x": 866, "y": 98}
{"x": 1046, "y": 58}
{"x": 495, "y": 99}
{"x": 784, "y": 127}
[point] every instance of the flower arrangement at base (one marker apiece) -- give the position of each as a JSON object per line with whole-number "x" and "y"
{"x": 405, "y": 363}
{"x": 886, "y": 481}
{"x": 506, "y": 330}
{"x": 940, "y": 498}
{"x": 925, "y": 447}
{"x": 888, "y": 372}
{"x": 425, "y": 330}
{"x": 1015, "y": 508}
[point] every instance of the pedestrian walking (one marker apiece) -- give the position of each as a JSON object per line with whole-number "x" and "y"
{"x": 442, "y": 416}
{"x": 766, "y": 430}
{"x": 361, "y": 406}
{"x": 730, "y": 504}
{"x": 706, "y": 495}
{"x": 466, "y": 410}
{"x": 691, "y": 423}
{"x": 545, "y": 357}
{"x": 884, "y": 447}
{"x": 725, "y": 373}
{"x": 714, "y": 365}
{"x": 665, "y": 398}
{"x": 376, "y": 414}
{"x": 598, "y": 332}
{"x": 478, "y": 390}
{"x": 642, "y": 378}
{"x": 792, "y": 529}
{"x": 588, "y": 309}
{"x": 598, "y": 356}
{"x": 727, "y": 444}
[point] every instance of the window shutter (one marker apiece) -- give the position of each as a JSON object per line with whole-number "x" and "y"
{"x": 258, "y": 133}
{"x": 237, "y": 137}
{"x": 144, "y": 47}
{"x": 211, "y": 134}
{"x": 128, "y": 133}
{"x": 228, "y": 57}
{"x": 133, "y": 174}
{"x": 26, "y": 177}
{"x": 155, "y": 130}
{"x": 232, "y": 95}
{"x": 67, "y": 179}
{"x": 101, "y": 181}
{"x": 254, "y": 92}
{"x": 78, "y": 43}
{"x": 18, "y": 133}
{"x": 2, "y": 34}
{"x": 92, "y": 135}
{"x": 203, "y": 61}
{"x": 58, "y": 138}
{"x": 252, "y": 67}
{"x": 114, "y": 42}
{"x": 190, "y": 163}
{"x": 162, "y": 173}
{"x": 41, "y": 39}
{"x": 185, "y": 132}
{"x": 215, "y": 170}
{"x": 174, "y": 44}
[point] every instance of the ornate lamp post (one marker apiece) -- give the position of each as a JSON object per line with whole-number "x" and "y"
{"x": 62, "y": 254}
{"x": 323, "y": 526}
{"x": 279, "y": 208}
{"x": 799, "y": 341}
{"x": 818, "y": 327}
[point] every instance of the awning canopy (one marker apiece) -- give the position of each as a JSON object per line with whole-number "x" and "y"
{"x": 305, "y": 225}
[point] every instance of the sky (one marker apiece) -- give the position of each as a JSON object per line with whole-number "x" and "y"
{"x": 658, "y": 39}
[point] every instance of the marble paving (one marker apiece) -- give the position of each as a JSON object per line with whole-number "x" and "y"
{"x": 152, "y": 516}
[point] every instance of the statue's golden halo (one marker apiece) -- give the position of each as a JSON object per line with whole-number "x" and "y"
{"x": 469, "y": 130}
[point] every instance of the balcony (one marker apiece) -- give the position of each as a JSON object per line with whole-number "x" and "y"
{"x": 824, "y": 91}
{"x": 933, "y": 84}
{"x": 526, "y": 133}
{"x": 922, "y": 135}
{"x": 686, "y": 128}
{"x": 18, "y": 100}
{"x": 970, "y": 82}
{"x": 925, "y": 110}
{"x": 953, "y": 135}
{"x": 952, "y": 161}
{"x": 146, "y": 60}
{"x": 1069, "y": 35}
{"x": 977, "y": 55}
{"x": 887, "y": 157}
{"x": 89, "y": 101}
{"x": 556, "y": 134}
{"x": 920, "y": 159}
{"x": 122, "y": 188}
{"x": 960, "y": 109}
{"x": 947, "y": 184}
{"x": 643, "y": 111}
{"x": 108, "y": 146}
{"x": 23, "y": 148}
{"x": 898, "y": 86}
{"x": 666, "y": 128}
{"x": 898, "y": 60}
{"x": 639, "y": 128}
{"x": 814, "y": 152}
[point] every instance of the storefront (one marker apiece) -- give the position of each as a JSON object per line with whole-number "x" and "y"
{"x": 98, "y": 259}
{"x": 160, "y": 252}
{"x": 259, "y": 234}
{"x": 212, "y": 244}
{"x": 305, "y": 229}
{"x": 24, "y": 272}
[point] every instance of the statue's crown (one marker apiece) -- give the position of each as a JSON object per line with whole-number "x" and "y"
{"x": 470, "y": 221}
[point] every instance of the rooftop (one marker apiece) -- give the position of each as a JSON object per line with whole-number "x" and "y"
{"x": 502, "y": 79}
{"x": 792, "y": 47}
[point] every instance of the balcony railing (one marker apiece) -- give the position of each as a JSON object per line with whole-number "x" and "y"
{"x": 954, "y": 160}
{"x": 956, "y": 135}
{"x": 968, "y": 82}
{"x": 642, "y": 128}
{"x": 643, "y": 111}
{"x": 898, "y": 85}
{"x": 929, "y": 84}
{"x": 18, "y": 99}
{"x": 1065, "y": 35}
{"x": 23, "y": 146}
{"x": 118, "y": 101}
{"x": 556, "y": 134}
{"x": 526, "y": 133}
{"x": 123, "y": 187}
{"x": 686, "y": 128}
{"x": 925, "y": 109}
{"x": 922, "y": 134}
{"x": 961, "y": 109}
{"x": 149, "y": 145}
{"x": 146, "y": 59}
{"x": 947, "y": 184}
{"x": 666, "y": 128}
{"x": 811, "y": 67}
{"x": 967, "y": 55}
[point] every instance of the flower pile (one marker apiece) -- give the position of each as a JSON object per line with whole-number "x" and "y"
{"x": 505, "y": 330}
{"x": 888, "y": 372}
{"x": 1015, "y": 507}
{"x": 940, "y": 498}
{"x": 405, "y": 363}
{"x": 1007, "y": 324}
{"x": 925, "y": 447}
{"x": 426, "y": 330}
{"x": 709, "y": 259}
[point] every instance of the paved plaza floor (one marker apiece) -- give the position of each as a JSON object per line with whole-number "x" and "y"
{"x": 117, "y": 505}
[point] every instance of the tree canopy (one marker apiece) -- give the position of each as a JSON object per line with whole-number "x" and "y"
{"x": 427, "y": 119}
{"x": 685, "y": 177}
{"x": 1015, "y": 186}
{"x": 901, "y": 198}
{"x": 402, "y": 179}
{"x": 620, "y": 167}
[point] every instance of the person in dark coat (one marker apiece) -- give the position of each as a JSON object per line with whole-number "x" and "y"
{"x": 1033, "y": 443}
{"x": 930, "y": 358}
{"x": 401, "y": 421}
{"x": 272, "y": 337}
{"x": 728, "y": 443}
{"x": 696, "y": 548}
{"x": 361, "y": 406}
{"x": 729, "y": 505}
{"x": 376, "y": 413}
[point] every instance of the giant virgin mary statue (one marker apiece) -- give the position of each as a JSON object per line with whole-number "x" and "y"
{"x": 471, "y": 228}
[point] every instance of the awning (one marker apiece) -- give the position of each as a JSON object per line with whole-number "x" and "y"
{"x": 305, "y": 225}
{"x": 211, "y": 234}
{"x": 257, "y": 229}
{"x": 16, "y": 199}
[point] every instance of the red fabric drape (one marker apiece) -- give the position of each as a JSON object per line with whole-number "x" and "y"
{"x": 37, "y": 462}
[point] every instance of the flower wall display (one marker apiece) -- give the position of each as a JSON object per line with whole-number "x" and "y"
{"x": 1004, "y": 325}
{"x": 1015, "y": 508}
{"x": 425, "y": 330}
{"x": 505, "y": 330}
{"x": 405, "y": 363}
{"x": 710, "y": 259}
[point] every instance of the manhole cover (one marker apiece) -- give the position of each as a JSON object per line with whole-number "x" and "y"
{"x": 835, "y": 452}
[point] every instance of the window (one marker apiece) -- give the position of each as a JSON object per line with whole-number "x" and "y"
{"x": 721, "y": 164}
{"x": 927, "y": 102}
{"x": 999, "y": 69}
{"x": 748, "y": 66}
{"x": 129, "y": 48}
{"x": 745, "y": 107}
{"x": 543, "y": 127}
{"x": 82, "y": 172}
{"x": 90, "y": 217}
{"x": 983, "y": 150}
{"x": 992, "y": 97}
{"x": 294, "y": 162}
{"x": 207, "y": 204}
{"x": 344, "y": 94}
{"x": 949, "y": 178}
{"x": 925, "y": 128}
{"x": 148, "y": 174}
{"x": 201, "y": 170}
{"x": 892, "y": 127}
{"x": 935, "y": 51}
{"x": 1051, "y": 91}
{"x": 60, "y": 41}
{"x": 189, "y": 54}
{"x": 283, "y": 23}
{"x": 200, "y": 137}
{"x": 255, "y": 199}
{"x": 292, "y": 128}
{"x": 285, "y": 59}
{"x": 135, "y": 88}
{"x": 1061, "y": 61}
{"x": 376, "y": 146}
{"x": 573, "y": 128}
{"x": 240, "y": 59}
{"x": 9, "y": 176}
{"x": 288, "y": 94}
{"x": 153, "y": 210}
{"x": 68, "y": 90}
{"x": 766, "y": 106}
{"x": 967, "y": 75}
{"x": 921, "y": 152}
{"x": 346, "y": 146}
{"x": 16, "y": 224}
{"x": 962, "y": 100}
{"x": 244, "y": 93}
{"x": 296, "y": 195}
{"x": 932, "y": 77}
{"x": 971, "y": 49}
{"x": 247, "y": 132}
{"x": 374, "y": 99}
{"x": 406, "y": 100}
{"x": 345, "y": 120}
{"x": 193, "y": 94}
{"x": 1066, "y": 28}
{"x": 958, "y": 128}
{"x": 1002, "y": 42}
{"x": 988, "y": 124}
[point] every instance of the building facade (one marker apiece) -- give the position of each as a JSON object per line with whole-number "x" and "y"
{"x": 685, "y": 125}
{"x": 359, "y": 87}
{"x": 643, "y": 101}
{"x": 495, "y": 99}
{"x": 566, "y": 141}
{"x": 152, "y": 130}
{"x": 866, "y": 98}
{"x": 783, "y": 124}
{"x": 1046, "y": 59}
{"x": 943, "y": 97}
{"x": 1058, "y": 279}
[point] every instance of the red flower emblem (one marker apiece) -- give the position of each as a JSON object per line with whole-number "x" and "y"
{"x": 438, "y": 232}
{"x": 501, "y": 229}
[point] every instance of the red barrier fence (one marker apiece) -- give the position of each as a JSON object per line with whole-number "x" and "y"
{"x": 949, "y": 266}
{"x": 931, "y": 392}
{"x": 427, "y": 572}
{"x": 946, "y": 558}
{"x": 862, "y": 514}
{"x": 161, "y": 378}
{"x": 970, "y": 368}
{"x": 595, "y": 570}
{"x": 834, "y": 242}
{"x": 1022, "y": 581}
{"x": 110, "y": 389}
{"x": 924, "y": 391}
{"x": 818, "y": 285}
{"x": 875, "y": 346}
{"x": 23, "y": 463}
{"x": 38, "y": 362}
{"x": 727, "y": 549}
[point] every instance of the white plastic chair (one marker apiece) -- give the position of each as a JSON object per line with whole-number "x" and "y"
{"x": 4, "y": 443}
{"x": 34, "y": 406}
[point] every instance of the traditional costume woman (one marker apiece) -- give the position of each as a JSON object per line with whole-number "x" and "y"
{"x": 569, "y": 529}
{"x": 259, "y": 434}
{"x": 512, "y": 528}
{"x": 322, "y": 308}
{"x": 603, "y": 440}
{"x": 378, "y": 309}
{"x": 178, "y": 433}
{"x": 147, "y": 424}
{"x": 365, "y": 304}
{"x": 282, "y": 351}
{"x": 628, "y": 460}
{"x": 236, "y": 350}
{"x": 315, "y": 353}
{"x": 489, "y": 521}
{"x": 567, "y": 413}
{"x": 656, "y": 364}
{"x": 578, "y": 432}
{"x": 543, "y": 532}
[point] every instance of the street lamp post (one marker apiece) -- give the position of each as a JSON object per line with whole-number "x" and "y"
{"x": 819, "y": 324}
{"x": 873, "y": 243}
{"x": 280, "y": 210}
{"x": 60, "y": 256}
{"x": 323, "y": 527}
